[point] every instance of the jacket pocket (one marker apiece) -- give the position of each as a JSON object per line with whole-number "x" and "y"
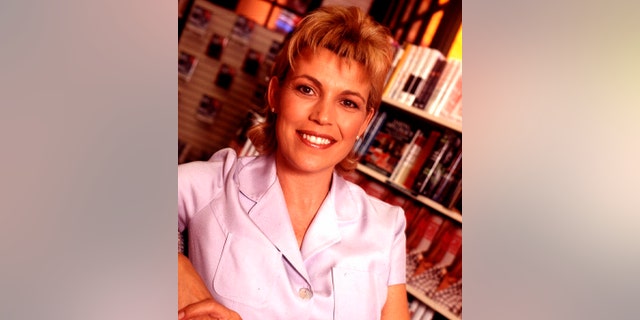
{"x": 245, "y": 273}
{"x": 358, "y": 294}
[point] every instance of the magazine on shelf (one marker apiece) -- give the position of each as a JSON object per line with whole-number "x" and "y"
{"x": 208, "y": 109}
{"x": 216, "y": 46}
{"x": 186, "y": 65}
{"x": 199, "y": 20}
{"x": 242, "y": 30}
{"x": 251, "y": 63}
{"x": 225, "y": 76}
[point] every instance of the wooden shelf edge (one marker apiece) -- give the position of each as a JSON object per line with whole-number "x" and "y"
{"x": 422, "y": 199}
{"x": 431, "y": 304}
{"x": 423, "y": 114}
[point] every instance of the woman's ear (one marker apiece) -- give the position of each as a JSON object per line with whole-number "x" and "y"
{"x": 273, "y": 94}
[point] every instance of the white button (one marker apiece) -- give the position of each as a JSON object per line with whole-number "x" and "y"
{"x": 305, "y": 293}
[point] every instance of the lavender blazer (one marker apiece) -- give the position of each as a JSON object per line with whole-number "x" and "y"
{"x": 241, "y": 241}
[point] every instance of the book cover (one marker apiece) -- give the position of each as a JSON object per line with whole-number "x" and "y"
{"x": 448, "y": 72}
{"x": 409, "y": 155}
{"x": 449, "y": 101}
{"x": 443, "y": 192}
{"x": 432, "y": 63}
{"x": 428, "y": 233}
{"x": 375, "y": 188}
{"x": 433, "y": 166}
{"x": 251, "y": 63}
{"x": 216, "y": 46}
{"x": 426, "y": 148}
{"x": 208, "y": 109}
{"x": 406, "y": 67}
{"x": 388, "y": 144}
{"x": 225, "y": 76}
{"x": 439, "y": 169}
{"x": 427, "y": 90}
{"x": 399, "y": 70}
{"x": 422, "y": 55}
{"x": 186, "y": 65}
{"x": 374, "y": 126}
{"x": 397, "y": 55}
{"x": 199, "y": 20}
{"x": 412, "y": 213}
{"x": 454, "y": 245}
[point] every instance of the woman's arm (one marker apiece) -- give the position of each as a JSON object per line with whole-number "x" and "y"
{"x": 194, "y": 299}
{"x": 396, "y": 307}
{"x": 191, "y": 288}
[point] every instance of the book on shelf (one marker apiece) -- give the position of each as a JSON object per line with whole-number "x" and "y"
{"x": 407, "y": 159}
{"x": 441, "y": 168}
{"x": 412, "y": 212}
{"x": 436, "y": 255}
{"x": 199, "y": 20}
{"x": 216, "y": 46}
{"x": 412, "y": 73}
{"x": 447, "y": 184}
{"x": 456, "y": 201}
{"x": 430, "y": 83}
{"x": 397, "y": 55}
{"x": 451, "y": 89}
{"x": 425, "y": 233}
{"x": 426, "y": 148}
{"x": 451, "y": 108}
{"x": 374, "y": 126}
{"x": 186, "y": 65}
{"x": 453, "y": 247}
{"x": 374, "y": 188}
{"x": 419, "y": 312}
{"x": 353, "y": 176}
{"x": 407, "y": 69}
{"x": 400, "y": 71}
{"x": 208, "y": 108}
{"x": 389, "y": 143}
{"x": 438, "y": 161}
{"x": 417, "y": 222}
{"x": 430, "y": 63}
{"x": 451, "y": 67}
{"x": 455, "y": 114}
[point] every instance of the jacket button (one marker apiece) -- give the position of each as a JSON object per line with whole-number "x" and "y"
{"x": 305, "y": 293}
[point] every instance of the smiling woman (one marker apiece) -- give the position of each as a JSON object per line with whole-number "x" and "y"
{"x": 283, "y": 235}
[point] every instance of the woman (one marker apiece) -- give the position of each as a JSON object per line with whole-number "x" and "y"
{"x": 282, "y": 235}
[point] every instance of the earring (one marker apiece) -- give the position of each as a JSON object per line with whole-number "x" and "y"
{"x": 357, "y": 137}
{"x": 273, "y": 110}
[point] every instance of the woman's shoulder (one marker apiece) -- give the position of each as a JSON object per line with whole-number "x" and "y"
{"x": 220, "y": 162}
{"x": 208, "y": 176}
{"x": 370, "y": 204}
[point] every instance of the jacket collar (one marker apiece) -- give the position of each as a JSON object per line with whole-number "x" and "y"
{"x": 257, "y": 180}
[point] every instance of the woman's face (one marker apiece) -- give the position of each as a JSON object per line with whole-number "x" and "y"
{"x": 321, "y": 107}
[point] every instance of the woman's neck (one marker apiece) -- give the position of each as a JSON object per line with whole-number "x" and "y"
{"x": 304, "y": 193}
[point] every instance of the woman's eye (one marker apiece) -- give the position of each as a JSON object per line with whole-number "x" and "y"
{"x": 350, "y": 104}
{"x": 305, "y": 89}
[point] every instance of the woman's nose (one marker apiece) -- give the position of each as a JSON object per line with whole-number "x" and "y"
{"x": 322, "y": 113}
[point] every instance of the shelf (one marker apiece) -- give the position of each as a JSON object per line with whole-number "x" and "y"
{"x": 423, "y": 114}
{"x": 422, "y": 199}
{"x": 431, "y": 304}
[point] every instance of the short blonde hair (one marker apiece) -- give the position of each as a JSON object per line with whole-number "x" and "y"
{"x": 349, "y": 33}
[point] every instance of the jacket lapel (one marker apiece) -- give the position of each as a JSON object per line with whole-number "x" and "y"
{"x": 259, "y": 183}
